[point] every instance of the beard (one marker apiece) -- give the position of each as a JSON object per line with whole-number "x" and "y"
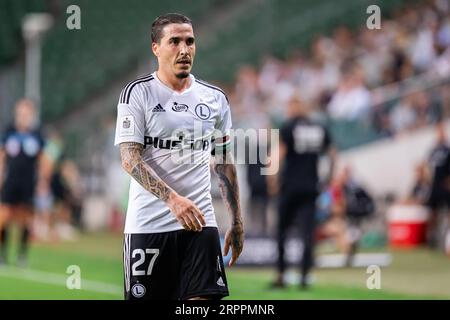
{"x": 182, "y": 75}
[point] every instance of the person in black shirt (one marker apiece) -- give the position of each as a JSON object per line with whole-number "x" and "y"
{"x": 20, "y": 157}
{"x": 439, "y": 164}
{"x": 302, "y": 143}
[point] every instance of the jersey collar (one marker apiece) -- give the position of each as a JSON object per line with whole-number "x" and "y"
{"x": 191, "y": 76}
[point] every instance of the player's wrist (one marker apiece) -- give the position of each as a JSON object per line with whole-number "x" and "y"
{"x": 171, "y": 198}
{"x": 237, "y": 223}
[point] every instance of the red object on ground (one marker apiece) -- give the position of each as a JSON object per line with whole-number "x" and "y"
{"x": 407, "y": 225}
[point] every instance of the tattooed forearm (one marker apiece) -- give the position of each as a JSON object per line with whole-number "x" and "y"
{"x": 226, "y": 172}
{"x": 132, "y": 162}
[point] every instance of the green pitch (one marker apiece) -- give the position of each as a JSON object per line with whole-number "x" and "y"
{"x": 417, "y": 274}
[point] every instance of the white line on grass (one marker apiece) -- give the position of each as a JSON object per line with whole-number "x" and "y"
{"x": 58, "y": 279}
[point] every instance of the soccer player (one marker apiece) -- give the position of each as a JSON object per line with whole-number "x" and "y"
{"x": 172, "y": 247}
{"x": 302, "y": 142}
{"x": 22, "y": 168}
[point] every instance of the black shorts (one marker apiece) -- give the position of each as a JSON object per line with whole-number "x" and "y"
{"x": 18, "y": 192}
{"x": 174, "y": 265}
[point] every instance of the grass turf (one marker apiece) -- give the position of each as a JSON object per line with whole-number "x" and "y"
{"x": 414, "y": 274}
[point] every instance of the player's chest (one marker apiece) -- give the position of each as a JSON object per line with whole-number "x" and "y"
{"x": 175, "y": 112}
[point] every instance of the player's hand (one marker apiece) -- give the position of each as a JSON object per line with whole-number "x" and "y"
{"x": 186, "y": 212}
{"x": 234, "y": 238}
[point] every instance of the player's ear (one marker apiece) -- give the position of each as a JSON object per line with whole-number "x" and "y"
{"x": 155, "y": 49}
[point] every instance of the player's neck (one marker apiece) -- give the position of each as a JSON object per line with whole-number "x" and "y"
{"x": 174, "y": 83}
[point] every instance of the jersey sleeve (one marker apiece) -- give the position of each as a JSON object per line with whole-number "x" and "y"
{"x": 130, "y": 124}
{"x": 222, "y": 141}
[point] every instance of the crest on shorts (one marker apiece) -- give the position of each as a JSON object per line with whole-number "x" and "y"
{"x": 138, "y": 290}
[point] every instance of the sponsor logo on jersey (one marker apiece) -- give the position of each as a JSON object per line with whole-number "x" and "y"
{"x": 138, "y": 290}
{"x": 203, "y": 111}
{"x": 179, "y": 107}
{"x": 159, "y": 143}
{"x": 158, "y": 108}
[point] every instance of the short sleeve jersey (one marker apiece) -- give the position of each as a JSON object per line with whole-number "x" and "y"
{"x": 179, "y": 132}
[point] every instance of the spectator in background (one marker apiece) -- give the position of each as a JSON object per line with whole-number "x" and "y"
{"x": 387, "y": 62}
{"x": 350, "y": 205}
{"x": 334, "y": 225}
{"x": 66, "y": 190}
{"x": 59, "y": 207}
{"x": 403, "y": 116}
{"x": 422, "y": 105}
{"x": 44, "y": 200}
{"x": 422, "y": 47}
{"x": 352, "y": 100}
{"x": 75, "y": 192}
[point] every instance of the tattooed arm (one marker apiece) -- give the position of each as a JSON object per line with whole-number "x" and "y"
{"x": 186, "y": 212}
{"x": 226, "y": 171}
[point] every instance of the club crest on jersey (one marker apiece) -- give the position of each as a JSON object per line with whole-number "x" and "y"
{"x": 179, "y": 107}
{"x": 203, "y": 111}
{"x": 158, "y": 108}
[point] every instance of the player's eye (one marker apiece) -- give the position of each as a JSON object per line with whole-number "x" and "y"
{"x": 174, "y": 41}
{"x": 190, "y": 41}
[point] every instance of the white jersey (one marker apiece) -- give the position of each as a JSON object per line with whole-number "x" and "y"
{"x": 177, "y": 131}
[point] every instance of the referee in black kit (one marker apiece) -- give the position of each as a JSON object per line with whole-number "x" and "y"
{"x": 23, "y": 167}
{"x": 302, "y": 143}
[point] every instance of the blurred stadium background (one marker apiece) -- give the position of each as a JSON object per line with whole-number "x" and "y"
{"x": 380, "y": 93}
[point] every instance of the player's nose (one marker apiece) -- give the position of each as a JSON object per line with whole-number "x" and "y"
{"x": 184, "y": 48}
